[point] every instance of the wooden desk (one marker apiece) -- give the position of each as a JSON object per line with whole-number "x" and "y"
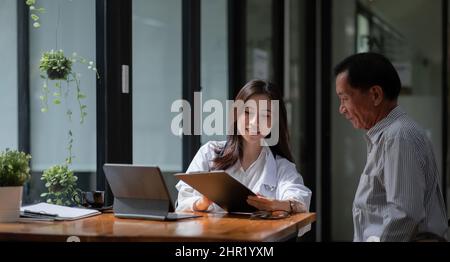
{"x": 209, "y": 227}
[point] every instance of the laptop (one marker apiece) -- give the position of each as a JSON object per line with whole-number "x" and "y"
{"x": 140, "y": 192}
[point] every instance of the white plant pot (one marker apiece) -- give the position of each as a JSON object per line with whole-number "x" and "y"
{"x": 10, "y": 202}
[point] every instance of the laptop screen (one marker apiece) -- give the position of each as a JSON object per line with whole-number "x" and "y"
{"x": 137, "y": 182}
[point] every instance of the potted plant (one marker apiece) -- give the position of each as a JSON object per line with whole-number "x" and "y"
{"x": 56, "y": 65}
{"x": 61, "y": 184}
{"x": 14, "y": 172}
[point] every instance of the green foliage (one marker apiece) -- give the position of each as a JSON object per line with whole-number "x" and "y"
{"x": 56, "y": 65}
{"x": 34, "y": 11}
{"x": 14, "y": 168}
{"x": 61, "y": 184}
{"x": 56, "y": 68}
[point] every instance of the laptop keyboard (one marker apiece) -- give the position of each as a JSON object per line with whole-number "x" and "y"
{"x": 176, "y": 216}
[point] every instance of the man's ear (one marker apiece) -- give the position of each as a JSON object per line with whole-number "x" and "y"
{"x": 377, "y": 95}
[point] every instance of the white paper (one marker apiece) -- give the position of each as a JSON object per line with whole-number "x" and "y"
{"x": 61, "y": 212}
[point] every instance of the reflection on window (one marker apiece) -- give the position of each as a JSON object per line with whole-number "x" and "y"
{"x": 363, "y": 34}
{"x": 294, "y": 89}
{"x": 259, "y": 39}
{"x": 376, "y": 35}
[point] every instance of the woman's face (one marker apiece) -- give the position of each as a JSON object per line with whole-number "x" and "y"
{"x": 254, "y": 121}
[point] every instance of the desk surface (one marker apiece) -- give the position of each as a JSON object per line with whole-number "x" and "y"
{"x": 209, "y": 227}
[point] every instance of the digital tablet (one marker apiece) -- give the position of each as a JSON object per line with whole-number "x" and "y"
{"x": 220, "y": 188}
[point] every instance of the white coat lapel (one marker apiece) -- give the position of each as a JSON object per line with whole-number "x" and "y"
{"x": 268, "y": 184}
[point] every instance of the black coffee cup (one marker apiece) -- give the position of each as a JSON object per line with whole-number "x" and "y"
{"x": 94, "y": 199}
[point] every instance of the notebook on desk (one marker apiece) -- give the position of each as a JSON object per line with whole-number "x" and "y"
{"x": 56, "y": 212}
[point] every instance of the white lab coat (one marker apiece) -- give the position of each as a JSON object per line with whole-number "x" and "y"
{"x": 273, "y": 177}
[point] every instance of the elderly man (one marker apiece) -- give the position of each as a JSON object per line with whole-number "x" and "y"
{"x": 399, "y": 196}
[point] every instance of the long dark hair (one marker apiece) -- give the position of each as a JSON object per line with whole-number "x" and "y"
{"x": 232, "y": 151}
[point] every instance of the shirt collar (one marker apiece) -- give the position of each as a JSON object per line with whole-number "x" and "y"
{"x": 377, "y": 130}
{"x": 268, "y": 178}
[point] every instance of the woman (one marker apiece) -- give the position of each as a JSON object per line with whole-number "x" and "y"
{"x": 267, "y": 171}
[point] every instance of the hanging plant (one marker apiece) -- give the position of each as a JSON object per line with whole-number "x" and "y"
{"x": 34, "y": 12}
{"x": 54, "y": 65}
{"x": 57, "y": 68}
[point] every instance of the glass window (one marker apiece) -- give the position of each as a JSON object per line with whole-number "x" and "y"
{"x": 62, "y": 29}
{"x": 259, "y": 40}
{"x": 294, "y": 89}
{"x": 214, "y": 60}
{"x": 157, "y": 73}
{"x": 8, "y": 72}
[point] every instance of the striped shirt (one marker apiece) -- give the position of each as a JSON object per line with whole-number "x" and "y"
{"x": 398, "y": 194}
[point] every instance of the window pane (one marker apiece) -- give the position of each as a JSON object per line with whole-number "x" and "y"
{"x": 8, "y": 72}
{"x": 156, "y": 82}
{"x": 62, "y": 28}
{"x": 294, "y": 89}
{"x": 214, "y": 56}
{"x": 259, "y": 39}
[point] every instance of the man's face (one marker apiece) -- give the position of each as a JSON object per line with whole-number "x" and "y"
{"x": 355, "y": 105}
